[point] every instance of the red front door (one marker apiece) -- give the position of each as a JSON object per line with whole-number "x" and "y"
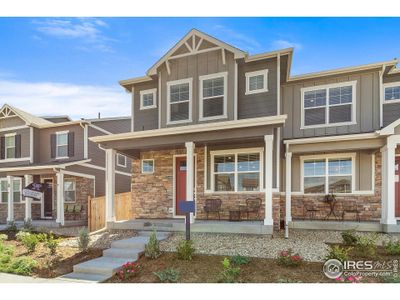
{"x": 397, "y": 188}
{"x": 180, "y": 182}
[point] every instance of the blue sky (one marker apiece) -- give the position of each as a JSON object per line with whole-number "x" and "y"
{"x": 72, "y": 65}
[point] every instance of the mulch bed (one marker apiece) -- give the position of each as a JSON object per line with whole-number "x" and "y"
{"x": 50, "y": 266}
{"x": 206, "y": 269}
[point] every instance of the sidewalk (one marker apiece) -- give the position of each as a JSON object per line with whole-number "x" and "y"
{"x": 12, "y": 278}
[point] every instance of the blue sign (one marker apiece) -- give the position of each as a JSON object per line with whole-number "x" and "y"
{"x": 187, "y": 206}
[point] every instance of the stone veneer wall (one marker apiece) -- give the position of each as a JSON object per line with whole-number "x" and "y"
{"x": 370, "y": 205}
{"x": 152, "y": 194}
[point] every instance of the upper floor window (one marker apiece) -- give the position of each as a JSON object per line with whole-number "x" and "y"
{"x": 213, "y": 94}
{"x": 256, "y": 82}
{"x": 62, "y": 144}
{"x": 148, "y": 99}
{"x": 121, "y": 160}
{"x": 10, "y": 145}
{"x": 179, "y": 101}
{"x": 329, "y": 105}
{"x": 392, "y": 92}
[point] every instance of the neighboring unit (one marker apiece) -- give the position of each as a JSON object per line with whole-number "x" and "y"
{"x": 55, "y": 151}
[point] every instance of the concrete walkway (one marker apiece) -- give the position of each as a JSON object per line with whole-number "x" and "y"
{"x": 12, "y": 278}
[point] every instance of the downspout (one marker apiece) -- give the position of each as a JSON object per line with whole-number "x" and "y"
{"x": 381, "y": 96}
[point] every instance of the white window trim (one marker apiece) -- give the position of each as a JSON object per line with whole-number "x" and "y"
{"x": 5, "y": 146}
{"x": 74, "y": 181}
{"x": 235, "y": 152}
{"x": 327, "y": 87}
{"x": 201, "y": 99}
{"x": 57, "y": 145}
{"x": 146, "y": 92}
{"x": 21, "y": 199}
{"x": 388, "y": 85}
{"x": 256, "y": 73}
{"x": 118, "y": 164}
{"x": 143, "y": 172}
{"x": 326, "y": 157}
{"x": 176, "y": 82}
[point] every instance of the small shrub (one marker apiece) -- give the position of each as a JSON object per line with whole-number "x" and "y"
{"x": 12, "y": 226}
{"x": 349, "y": 237}
{"x": 393, "y": 248}
{"x": 4, "y": 258}
{"x": 128, "y": 270}
{"x": 29, "y": 240}
{"x": 349, "y": 279}
{"x": 42, "y": 237}
{"x": 52, "y": 243}
{"x": 152, "y": 249}
{"x": 7, "y": 249}
{"x": 339, "y": 253}
{"x": 167, "y": 275}
{"x": 22, "y": 266}
{"x": 27, "y": 226}
{"x": 185, "y": 250}
{"x": 3, "y": 237}
{"x": 391, "y": 279}
{"x": 83, "y": 239}
{"x": 239, "y": 260}
{"x": 366, "y": 245}
{"x": 229, "y": 273}
{"x": 288, "y": 259}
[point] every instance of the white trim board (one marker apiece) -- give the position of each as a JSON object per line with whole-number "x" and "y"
{"x": 148, "y": 92}
{"x": 104, "y": 169}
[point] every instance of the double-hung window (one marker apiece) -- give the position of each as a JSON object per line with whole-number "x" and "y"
{"x": 148, "y": 99}
{"x": 323, "y": 175}
{"x": 236, "y": 171}
{"x": 16, "y": 190}
{"x": 179, "y": 98}
{"x": 329, "y": 105}
{"x": 213, "y": 95}
{"x": 392, "y": 92}
{"x": 256, "y": 82}
{"x": 4, "y": 190}
{"x": 10, "y": 147}
{"x": 69, "y": 190}
{"x": 62, "y": 144}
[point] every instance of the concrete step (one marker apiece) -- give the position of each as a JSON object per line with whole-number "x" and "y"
{"x": 101, "y": 266}
{"x": 83, "y": 277}
{"x": 130, "y": 254}
{"x": 137, "y": 242}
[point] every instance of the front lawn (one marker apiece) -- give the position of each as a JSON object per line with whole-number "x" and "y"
{"x": 15, "y": 258}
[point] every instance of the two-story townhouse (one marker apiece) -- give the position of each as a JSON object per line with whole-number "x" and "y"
{"x": 231, "y": 131}
{"x": 55, "y": 151}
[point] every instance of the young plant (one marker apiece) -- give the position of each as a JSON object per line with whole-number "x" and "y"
{"x": 185, "y": 250}
{"x": 288, "y": 259}
{"x": 3, "y": 237}
{"x": 42, "y": 237}
{"x": 366, "y": 245}
{"x": 339, "y": 253}
{"x": 239, "y": 260}
{"x": 229, "y": 273}
{"x": 393, "y": 248}
{"x": 22, "y": 265}
{"x": 83, "y": 239}
{"x": 28, "y": 227}
{"x": 29, "y": 240}
{"x": 349, "y": 237}
{"x": 52, "y": 243}
{"x": 152, "y": 248}
{"x": 128, "y": 270}
{"x": 12, "y": 226}
{"x": 167, "y": 275}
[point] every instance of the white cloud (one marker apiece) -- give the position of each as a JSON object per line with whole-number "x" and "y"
{"x": 282, "y": 44}
{"x": 86, "y": 30}
{"x": 77, "y": 101}
{"x": 242, "y": 41}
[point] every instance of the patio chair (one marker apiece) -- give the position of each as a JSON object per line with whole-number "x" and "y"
{"x": 253, "y": 206}
{"x": 351, "y": 208}
{"x": 309, "y": 209}
{"x": 213, "y": 206}
{"x": 77, "y": 210}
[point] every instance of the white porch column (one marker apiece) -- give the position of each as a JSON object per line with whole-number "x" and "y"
{"x": 60, "y": 198}
{"x": 288, "y": 192}
{"x": 10, "y": 208}
{"x": 388, "y": 182}
{"x": 28, "y": 201}
{"x": 268, "y": 166}
{"x": 190, "y": 174}
{"x": 110, "y": 185}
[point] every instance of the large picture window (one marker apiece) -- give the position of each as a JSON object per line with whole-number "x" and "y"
{"x": 213, "y": 96}
{"x": 179, "y": 101}
{"x": 327, "y": 105}
{"x": 236, "y": 171}
{"x": 328, "y": 175}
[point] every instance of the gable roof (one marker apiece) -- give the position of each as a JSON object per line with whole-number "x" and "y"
{"x": 194, "y": 49}
{"x": 8, "y": 110}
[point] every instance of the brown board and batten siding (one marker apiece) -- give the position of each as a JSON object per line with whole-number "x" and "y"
{"x": 260, "y": 104}
{"x": 145, "y": 119}
{"x": 391, "y": 111}
{"x": 367, "y": 106}
{"x": 117, "y": 125}
{"x": 193, "y": 67}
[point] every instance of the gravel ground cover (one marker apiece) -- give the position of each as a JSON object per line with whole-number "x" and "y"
{"x": 312, "y": 245}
